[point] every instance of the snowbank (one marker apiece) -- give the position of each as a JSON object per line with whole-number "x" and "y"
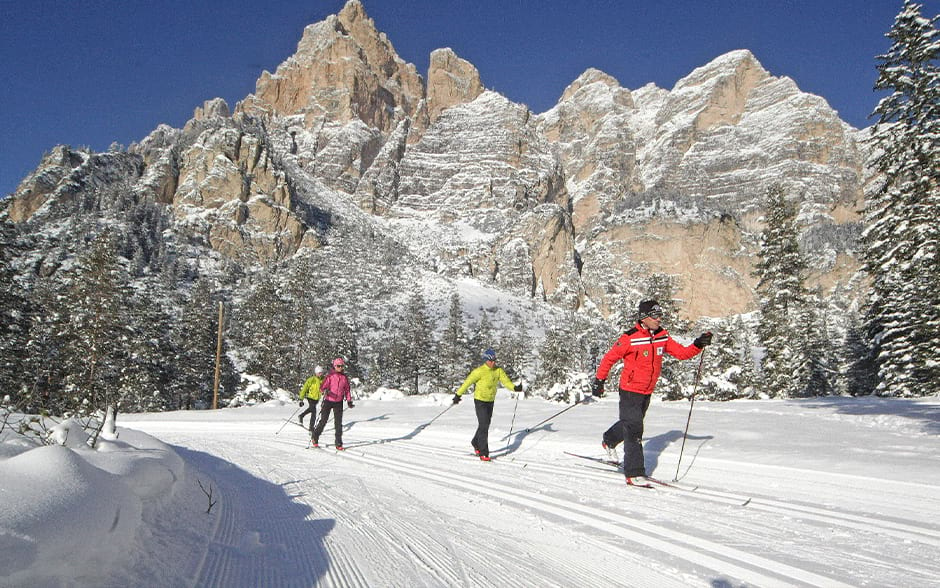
{"x": 70, "y": 511}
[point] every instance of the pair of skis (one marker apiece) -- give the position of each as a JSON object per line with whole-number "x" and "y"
{"x": 652, "y": 483}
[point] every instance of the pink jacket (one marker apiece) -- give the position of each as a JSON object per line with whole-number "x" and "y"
{"x": 335, "y": 387}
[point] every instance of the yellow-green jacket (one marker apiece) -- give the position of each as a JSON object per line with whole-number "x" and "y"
{"x": 485, "y": 380}
{"x": 311, "y": 388}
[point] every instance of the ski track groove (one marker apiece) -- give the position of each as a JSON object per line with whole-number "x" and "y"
{"x": 223, "y": 562}
{"x": 478, "y": 567}
{"x": 407, "y": 539}
{"x": 718, "y": 558}
{"x": 900, "y": 530}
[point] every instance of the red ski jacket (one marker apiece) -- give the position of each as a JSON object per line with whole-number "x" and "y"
{"x": 642, "y": 355}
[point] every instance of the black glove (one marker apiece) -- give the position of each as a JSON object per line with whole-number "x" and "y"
{"x": 456, "y": 398}
{"x": 518, "y": 388}
{"x": 703, "y": 340}
{"x": 349, "y": 404}
{"x": 597, "y": 387}
{"x": 301, "y": 403}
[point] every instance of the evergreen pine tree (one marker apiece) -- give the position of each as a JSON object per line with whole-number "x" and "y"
{"x": 145, "y": 353}
{"x": 14, "y": 320}
{"x": 258, "y": 330}
{"x": 721, "y": 370}
{"x": 514, "y": 348}
{"x": 417, "y": 345}
{"x": 96, "y": 330}
{"x": 43, "y": 368}
{"x": 454, "y": 356}
{"x": 781, "y": 295}
{"x": 553, "y": 358}
{"x": 741, "y": 338}
{"x": 902, "y": 237}
{"x": 196, "y": 339}
{"x": 814, "y": 348}
{"x": 857, "y": 361}
{"x": 306, "y": 322}
{"x": 482, "y": 336}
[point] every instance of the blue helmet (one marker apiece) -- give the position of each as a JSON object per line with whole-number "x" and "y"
{"x": 489, "y": 355}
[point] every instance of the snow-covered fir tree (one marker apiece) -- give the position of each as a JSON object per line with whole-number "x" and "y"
{"x": 482, "y": 336}
{"x": 453, "y": 354}
{"x": 781, "y": 293}
{"x": 146, "y": 375}
{"x": 728, "y": 369}
{"x": 416, "y": 346}
{"x": 96, "y": 327}
{"x": 857, "y": 362}
{"x": 816, "y": 345}
{"x": 554, "y": 354}
{"x": 14, "y": 318}
{"x": 307, "y": 322}
{"x": 258, "y": 329}
{"x": 196, "y": 336}
{"x": 902, "y": 238}
{"x": 514, "y": 348}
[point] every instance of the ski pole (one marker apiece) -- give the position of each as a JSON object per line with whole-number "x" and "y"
{"x": 513, "y": 421}
{"x": 698, "y": 375}
{"x": 555, "y": 415}
{"x": 289, "y": 419}
{"x": 425, "y": 425}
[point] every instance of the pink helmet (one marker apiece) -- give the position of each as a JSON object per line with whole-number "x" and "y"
{"x": 338, "y": 362}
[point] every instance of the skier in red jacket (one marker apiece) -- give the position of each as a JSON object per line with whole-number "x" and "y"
{"x": 641, "y": 349}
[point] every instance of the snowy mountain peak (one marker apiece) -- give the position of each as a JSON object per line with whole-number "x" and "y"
{"x": 343, "y": 70}
{"x": 345, "y": 129}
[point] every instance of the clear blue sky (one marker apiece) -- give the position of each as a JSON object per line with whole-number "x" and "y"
{"x": 97, "y": 71}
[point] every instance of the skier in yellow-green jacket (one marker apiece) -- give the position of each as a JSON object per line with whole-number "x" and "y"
{"x": 484, "y": 380}
{"x": 311, "y": 391}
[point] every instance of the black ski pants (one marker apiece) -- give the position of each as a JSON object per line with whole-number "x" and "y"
{"x": 311, "y": 410}
{"x": 629, "y": 430}
{"x": 337, "y": 409}
{"x": 480, "y": 440}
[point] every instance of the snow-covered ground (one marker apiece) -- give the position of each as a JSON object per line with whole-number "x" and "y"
{"x": 821, "y": 492}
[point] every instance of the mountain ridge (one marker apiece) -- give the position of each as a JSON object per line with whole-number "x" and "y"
{"x": 574, "y": 206}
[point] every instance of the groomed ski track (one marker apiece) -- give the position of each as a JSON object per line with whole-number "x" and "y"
{"x": 394, "y": 510}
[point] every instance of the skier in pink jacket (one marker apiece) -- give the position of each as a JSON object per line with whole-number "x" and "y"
{"x": 334, "y": 390}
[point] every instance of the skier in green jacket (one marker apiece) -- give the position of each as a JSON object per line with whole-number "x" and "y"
{"x": 484, "y": 380}
{"x": 311, "y": 391}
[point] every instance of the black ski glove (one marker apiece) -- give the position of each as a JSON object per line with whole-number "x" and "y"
{"x": 301, "y": 403}
{"x": 349, "y": 404}
{"x": 703, "y": 340}
{"x": 518, "y": 388}
{"x": 456, "y": 398}
{"x": 597, "y": 387}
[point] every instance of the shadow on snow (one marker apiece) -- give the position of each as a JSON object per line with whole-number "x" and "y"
{"x": 263, "y": 536}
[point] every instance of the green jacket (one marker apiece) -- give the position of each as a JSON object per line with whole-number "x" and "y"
{"x": 311, "y": 388}
{"x": 485, "y": 380}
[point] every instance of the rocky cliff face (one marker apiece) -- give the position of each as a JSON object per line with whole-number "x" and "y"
{"x": 576, "y": 206}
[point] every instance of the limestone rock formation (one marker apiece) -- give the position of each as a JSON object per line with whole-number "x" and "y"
{"x": 451, "y": 81}
{"x": 577, "y": 205}
{"x": 343, "y": 70}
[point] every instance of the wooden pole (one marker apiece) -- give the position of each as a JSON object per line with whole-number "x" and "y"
{"x": 218, "y": 362}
